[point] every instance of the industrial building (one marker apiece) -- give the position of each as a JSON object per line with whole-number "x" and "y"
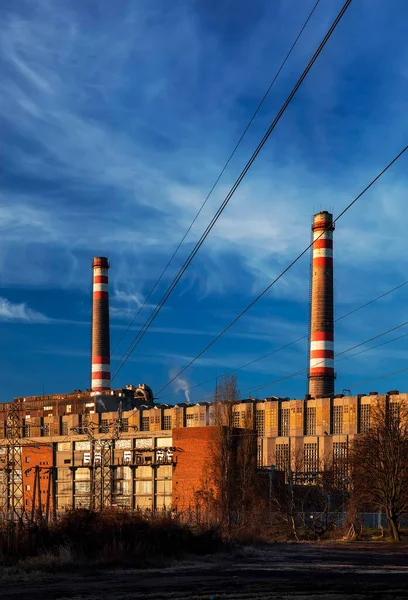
{"x": 104, "y": 447}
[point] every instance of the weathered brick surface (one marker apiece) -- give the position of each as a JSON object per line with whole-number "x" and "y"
{"x": 41, "y": 456}
{"x": 193, "y": 455}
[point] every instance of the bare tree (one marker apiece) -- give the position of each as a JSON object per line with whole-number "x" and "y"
{"x": 229, "y": 484}
{"x": 379, "y": 463}
{"x": 223, "y": 464}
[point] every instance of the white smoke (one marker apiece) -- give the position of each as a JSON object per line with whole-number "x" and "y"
{"x": 182, "y": 385}
{"x": 101, "y": 403}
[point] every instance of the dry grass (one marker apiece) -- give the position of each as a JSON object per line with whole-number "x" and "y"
{"x": 117, "y": 538}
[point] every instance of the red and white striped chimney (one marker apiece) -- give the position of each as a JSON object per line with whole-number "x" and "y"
{"x": 101, "y": 375}
{"x": 321, "y": 369}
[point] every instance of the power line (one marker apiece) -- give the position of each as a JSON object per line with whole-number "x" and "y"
{"x": 248, "y": 165}
{"x": 264, "y": 385}
{"x": 284, "y": 271}
{"x": 377, "y": 378}
{"x": 342, "y": 353}
{"x": 221, "y": 173}
{"x": 304, "y": 337}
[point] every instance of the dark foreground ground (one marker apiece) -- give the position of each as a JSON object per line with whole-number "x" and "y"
{"x": 334, "y": 571}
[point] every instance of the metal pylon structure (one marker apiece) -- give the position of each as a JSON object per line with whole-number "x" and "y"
{"x": 13, "y": 498}
{"x": 102, "y": 468}
{"x": 12, "y": 495}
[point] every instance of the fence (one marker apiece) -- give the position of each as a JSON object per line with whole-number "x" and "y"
{"x": 368, "y": 520}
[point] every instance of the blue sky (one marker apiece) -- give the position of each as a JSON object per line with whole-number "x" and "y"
{"x": 116, "y": 118}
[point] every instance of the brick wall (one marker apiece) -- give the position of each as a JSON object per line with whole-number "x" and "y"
{"x": 41, "y": 457}
{"x": 192, "y": 457}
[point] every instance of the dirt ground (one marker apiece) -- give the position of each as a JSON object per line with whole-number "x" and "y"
{"x": 278, "y": 571}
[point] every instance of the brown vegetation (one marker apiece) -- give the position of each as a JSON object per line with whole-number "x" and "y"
{"x": 379, "y": 464}
{"x": 106, "y": 538}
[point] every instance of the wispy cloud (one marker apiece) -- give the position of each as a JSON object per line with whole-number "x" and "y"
{"x": 20, "y": 313}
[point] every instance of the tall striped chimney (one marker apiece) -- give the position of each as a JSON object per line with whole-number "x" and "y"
{"x": 101, "y": 376}
{"x": 321, "y": 368}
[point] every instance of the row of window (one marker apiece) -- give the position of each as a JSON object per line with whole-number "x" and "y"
{"x": 339, "y": 419}
{"x": 310, "y": 462}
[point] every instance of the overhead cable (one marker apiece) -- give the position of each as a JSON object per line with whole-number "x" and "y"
{"x": 220, "y": 174}
{"x": 302, "y": 371}
{"x": 284, "y": 271}
{"x": 304, "y": 337}
{"x": 248, "y": 165}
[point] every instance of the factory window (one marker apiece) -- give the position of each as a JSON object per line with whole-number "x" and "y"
{"x": 144, "y": 443}
{"x": 125, "y": 425}
{"x": 310, "y": 463}
{"x": 157, "y": 419}
{"x": 259, "y": 454}
{"x": 311, "y": 420}
{"x": 81, "y": 446}
{"x": 45, "y": 429}
{"x": 68, "y": 408}
{"x": 64, "y": 428}
{"x": 67, "y": 461}
{"x": 285, "y": 421}
{"x": 236, "y": 418}
{"x": 145, "y": 424}
{"x": 394, "y": 408}
{"x": 167, "y": 422}
{"x": 365, "y": 418}
{"x": 144, "y": 487}
{"x": 82, "y": 487}
{"x": 28, "y": 488}
{"x": 196, "y": 418}
{"x": 340, "y": 461}
{"x": 104, "y": 426}
{"x": 123, "y": 444}
{"x": 274, "y": 417}
{"x": 260, "y": 422}
{"x": 337, "y": 419}
{"x": 189, "y": 420}
{"x": 64, "y": 446}
{"x": 282, "y": 457}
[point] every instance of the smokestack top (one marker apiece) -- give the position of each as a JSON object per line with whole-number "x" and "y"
{"x": 100, "y": 261}
{"x": 323, "y": 220}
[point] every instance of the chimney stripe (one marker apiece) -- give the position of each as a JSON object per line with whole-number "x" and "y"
{"x": 322, "y": 354}
{"x": 321, "y": 345}
{"x": 100, "y": 367}
{"x": 101, "y": 295}
{"x": 321, "y": 336}
{"x": 100, "y": 279}
{"x": 321, "y": 362}
{"x": 101, "y": 375}
{"x": 100, "y": 360}
{"x": 100, "y": 287}
{"x": 323, "y": 244}
{"x": 323, "y": 252}
{"x": 100, "y": 384}
{"x": 323, "y": 262}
